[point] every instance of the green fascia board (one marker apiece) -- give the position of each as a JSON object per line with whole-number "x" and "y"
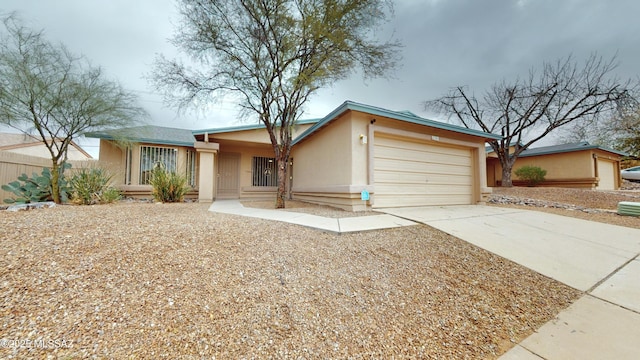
{"x": 165, "y": 136}
{"x": 396, "y": 115}
{"x": 548, "y": 150}
{"x": 246, "y": 127}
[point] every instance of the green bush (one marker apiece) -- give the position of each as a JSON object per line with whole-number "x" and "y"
{"x": 36, "y": 188}
{"x": 110, "y": 195}
{"x": 533, "y": 175}
{"x": 92, "y": 186}
{"x": 168, "y": 186}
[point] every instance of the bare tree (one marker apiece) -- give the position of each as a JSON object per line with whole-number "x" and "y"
{"x": 527, "y": 110}
{"x": 621, "y": 131}
{"x": 54, "y": 95}
{"x": 628, "y": 133}
{"x": 274, "y": 55}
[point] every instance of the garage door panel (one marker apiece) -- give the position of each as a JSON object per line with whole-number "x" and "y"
{"x": 412, "y": 155}
{"x": 383, "y": 177}
{"x": 413, "y": 173}
{"x": 429, "y": 147}
{"x": 390, "y": 165}
{"x": 423, "y": 189}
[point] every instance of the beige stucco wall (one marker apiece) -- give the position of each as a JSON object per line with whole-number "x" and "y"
{"x": 324, "y": 160}
{"x": 112, "y": 158}
{"x": 255, "y": 136}
{"x": 259, "y": 136}
{"x": 360, "y": 124}
{"x": 565, "y": 165}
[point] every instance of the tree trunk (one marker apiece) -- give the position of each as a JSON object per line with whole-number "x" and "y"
{"x": 282, "y": 180}
{"x": 506, "y": 174}
{"x": 55, "y": 183}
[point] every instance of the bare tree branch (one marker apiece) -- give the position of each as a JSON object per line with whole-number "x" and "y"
{"x": 49, "y": 91}
{"x": 274, "y": 55}
{"x": 526, "y": 111}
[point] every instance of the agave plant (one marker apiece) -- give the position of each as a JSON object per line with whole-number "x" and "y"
{"x": 92, "y": 186}
{"x": 168, "y": 186}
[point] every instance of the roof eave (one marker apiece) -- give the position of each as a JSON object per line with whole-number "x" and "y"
{"x": 246, "y": 127}
{"x": 349, "y": 105}
{"x": 139, "y": 140}
{"x": 590, "y": 147}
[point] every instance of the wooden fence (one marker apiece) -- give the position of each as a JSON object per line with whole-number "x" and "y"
{"x": 13, "y": 165}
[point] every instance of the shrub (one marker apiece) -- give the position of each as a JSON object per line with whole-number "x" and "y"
{"x": 110, "y": 195}
{"x": 36, "y": 188}
{"x": 92, "y": 186}
{"x": 168, "y": 186}
{"x": 533, "y": 175}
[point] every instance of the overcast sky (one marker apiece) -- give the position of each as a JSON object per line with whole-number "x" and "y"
{"x": 446, "y": 43}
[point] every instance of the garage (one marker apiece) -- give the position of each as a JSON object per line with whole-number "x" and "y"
{"x": 606, "y": 174}
{"x": 409, "y": 172}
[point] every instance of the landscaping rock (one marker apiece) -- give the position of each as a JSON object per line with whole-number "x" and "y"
{"x": 594, "y": 205}
{"x": 137, "y": 280}
{"x": 505, "y": 199}
{"x": 30, "y": 206}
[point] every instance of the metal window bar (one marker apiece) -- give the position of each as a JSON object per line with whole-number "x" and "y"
{"x": 264, "y": 171}
{"x": 127, "y": 166}
{"x": 151, "y": 156}
{"x": 191, "y": 168}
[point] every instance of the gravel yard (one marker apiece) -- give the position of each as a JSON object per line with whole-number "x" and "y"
{"x": 140, "y": 280}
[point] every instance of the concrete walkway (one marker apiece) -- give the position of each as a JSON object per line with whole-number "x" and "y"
{"x": 601, "y": 260}
{"x": 342, "y": 225}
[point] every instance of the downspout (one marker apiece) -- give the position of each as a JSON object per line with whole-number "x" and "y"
{"x": 595, "y": 168}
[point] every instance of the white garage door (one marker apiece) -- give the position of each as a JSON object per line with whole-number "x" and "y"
{"x": 606, "y": 173}
{"x": 412, "y": 173}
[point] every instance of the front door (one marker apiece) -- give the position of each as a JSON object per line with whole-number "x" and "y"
{"x": 228, "y": 176}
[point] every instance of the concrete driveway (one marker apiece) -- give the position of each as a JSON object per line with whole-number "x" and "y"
{"x": 600, "y": 259}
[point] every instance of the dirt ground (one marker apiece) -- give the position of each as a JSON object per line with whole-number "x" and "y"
{"x": 141, "y": 280}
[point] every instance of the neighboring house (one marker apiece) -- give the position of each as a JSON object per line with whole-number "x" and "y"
{"x": 33, "y": 146}
{"x": 577, "y": 165}
{"x": 399, "y": 158}
{"x": 26, "y": 154}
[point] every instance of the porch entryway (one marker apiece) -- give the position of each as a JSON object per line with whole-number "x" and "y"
{"x": 228, "y": 176}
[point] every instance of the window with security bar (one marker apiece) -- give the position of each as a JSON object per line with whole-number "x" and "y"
{"x": 264, "y": 171}
{"x": 127, "y": 165}
{"x": 191, "y": 168}
{"x": 152, "y": 156}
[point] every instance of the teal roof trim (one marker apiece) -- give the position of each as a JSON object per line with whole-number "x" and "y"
{"x": 397, "y": 115}
{"x": 246, "y": 127}
{"x": 150, "y": 134}
{"x": 557, "y": 149}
